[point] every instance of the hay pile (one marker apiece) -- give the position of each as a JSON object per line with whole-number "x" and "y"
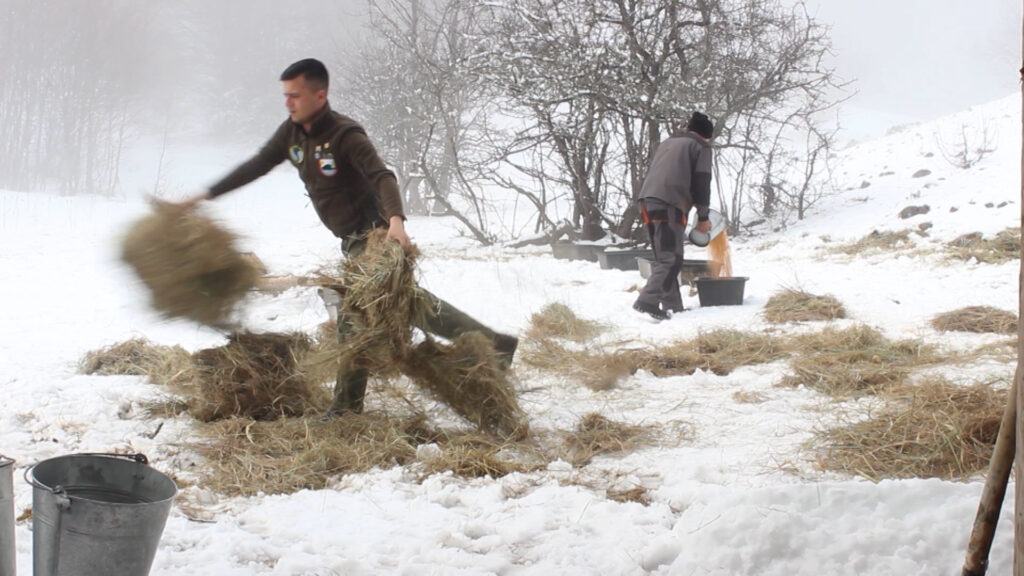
{"x": 557, "y": 320}
{"x": 168, "y": 365}
{"x": 596, "y": 435}
{"x": 256, "y": 376}
{"x": 979, "y": 319}
{"x": 935, "y": 429}
{"x": 876, "y": 241}
{"x": 854, "y": 361}
{"x": 1004, "y": 247}
{"x": 189, "y": 264}
{"x": 792, "y": 305}
{"x": 465, "y": 376}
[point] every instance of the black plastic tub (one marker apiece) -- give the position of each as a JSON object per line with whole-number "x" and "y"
{"x": 721, "y": 291}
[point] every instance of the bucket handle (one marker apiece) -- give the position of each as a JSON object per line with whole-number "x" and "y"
{"x": 58, "y": 490}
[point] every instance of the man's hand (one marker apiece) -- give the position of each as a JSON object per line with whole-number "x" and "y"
{"x": 704, "y": 227}
{"x": 396, "y": 231}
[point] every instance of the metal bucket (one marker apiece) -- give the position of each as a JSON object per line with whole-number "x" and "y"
{"x": 97, "y": 514}
{"x": 717, "y": 226}
{"x": 8, "y": 553}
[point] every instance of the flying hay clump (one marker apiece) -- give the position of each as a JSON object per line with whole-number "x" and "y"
{"x": 189, "y": 264}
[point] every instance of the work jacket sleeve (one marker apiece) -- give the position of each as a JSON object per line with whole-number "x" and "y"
{"x": 362, "y": 156}
{"x": 700, "y": 184}
{"x": 271, "y": 154}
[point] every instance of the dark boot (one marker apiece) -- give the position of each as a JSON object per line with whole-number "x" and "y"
{"x": 505, "y": 349}
{"x": 349, "y": 391}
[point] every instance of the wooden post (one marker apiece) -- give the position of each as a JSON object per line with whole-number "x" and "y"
{"x": 1018, "y": 512}
{"x": 992, "y": 496}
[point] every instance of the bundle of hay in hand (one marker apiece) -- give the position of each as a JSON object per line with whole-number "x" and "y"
{"x": 255, "y": 376}
{"x": 382, "y": 300}
{"x": 189, "y": 264}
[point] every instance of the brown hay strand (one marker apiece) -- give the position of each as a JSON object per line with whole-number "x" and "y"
{"x": 935, "y": 429}
{"x": 189, "y": 264}
{"x": 979, "y": 319}
{"x": 792, "y": 305}
{"x": 256, "y": 376}
{"x": 556, "y": 320}
{"x": 854, "y": 361}
{"x": 596, "y": 435}
{"x": 167, "y": 365}
{"x": 1004, "y": 247}
{"x": 465, "y": 376}
{"x": 476, "y": 455}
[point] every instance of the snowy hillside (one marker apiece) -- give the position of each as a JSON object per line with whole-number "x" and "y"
{"x": 732, "y": 487}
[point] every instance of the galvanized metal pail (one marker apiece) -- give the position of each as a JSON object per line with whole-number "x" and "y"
{"x": 8, "y": 553}
{"x": 97, "y": 514}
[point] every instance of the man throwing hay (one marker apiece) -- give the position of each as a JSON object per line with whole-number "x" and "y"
{"x": 353, "y": 192}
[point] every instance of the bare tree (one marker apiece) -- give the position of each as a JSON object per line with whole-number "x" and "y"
{"x": 608, "y": 79}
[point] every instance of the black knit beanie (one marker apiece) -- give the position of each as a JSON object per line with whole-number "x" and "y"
{"x": 701, "y": 124}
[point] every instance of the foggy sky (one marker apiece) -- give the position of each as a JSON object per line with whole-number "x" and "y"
{"x": 915, "y": 60}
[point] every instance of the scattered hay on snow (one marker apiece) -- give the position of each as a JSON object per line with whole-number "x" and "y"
{"x": 189, "y": 264}
{"x": 792, "y": 305}
{"x": 851, "y": 362}
{"x": 166, "y": 365}
{"x": 557, "y": 320}
{"x": 596, "y": 435}
{"x": 876, "y": 241}
{"x": 1004, "y": 247}
{"x": 934, "y": 429}
{"x": 980, "y": 319}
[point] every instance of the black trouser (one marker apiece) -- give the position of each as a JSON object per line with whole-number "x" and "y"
{"x": 666, "y": 225}
{"x": 444, "y": 320}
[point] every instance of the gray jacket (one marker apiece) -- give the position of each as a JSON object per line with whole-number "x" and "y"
{"x": 680, "y": 173}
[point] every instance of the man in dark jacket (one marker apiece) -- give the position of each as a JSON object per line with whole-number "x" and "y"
{"x": 352, "y": 191}
{"x": 679, "y": 179}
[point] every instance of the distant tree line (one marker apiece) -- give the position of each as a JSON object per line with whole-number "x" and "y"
{"x": 558, "y": 103}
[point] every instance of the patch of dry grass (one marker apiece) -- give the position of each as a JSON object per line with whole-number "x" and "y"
{"x": 596, "y": 435}
{"x": 935, "y": 429}
{"x": 557, "y": 320}
{"x": 247, "y": 457}
{"x": 168, "y": 365}
{"x": 255, "y": 376}
{"x": 875, "y": 242}
{"x": 851, "y": 362}
{"x": 189, "y": 264}
{"x": 978, "y": 319}
{"x": 792, "y": 305}
{"x": 1004, "y": 247}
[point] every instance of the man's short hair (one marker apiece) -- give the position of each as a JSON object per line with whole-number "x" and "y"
{"x": 312, "y": 71}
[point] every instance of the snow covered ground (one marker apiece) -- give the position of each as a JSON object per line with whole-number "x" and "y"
{"x": 740, "y": 495}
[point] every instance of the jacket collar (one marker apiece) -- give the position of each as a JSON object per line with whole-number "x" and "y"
{"x": 321, "y": 122}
